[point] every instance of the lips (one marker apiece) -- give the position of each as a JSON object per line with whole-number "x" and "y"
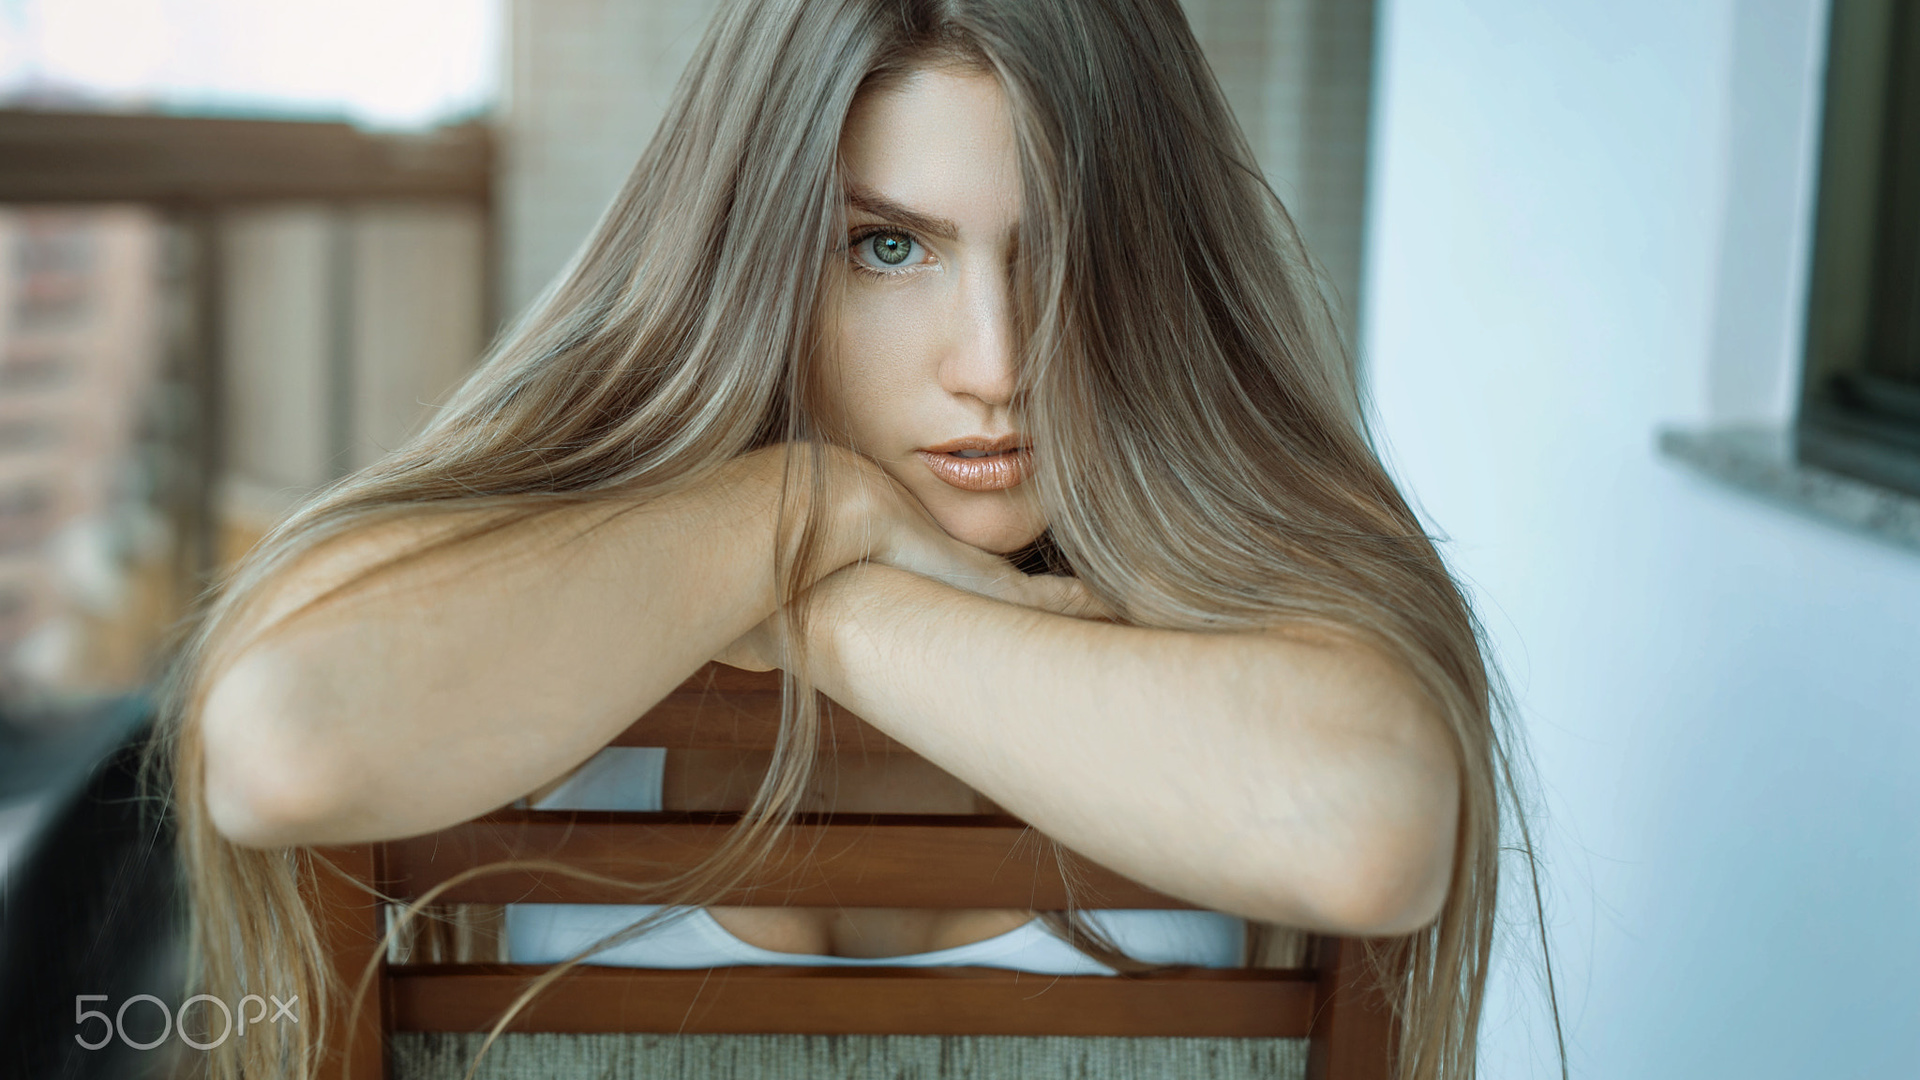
{"x": 979, "y": 463}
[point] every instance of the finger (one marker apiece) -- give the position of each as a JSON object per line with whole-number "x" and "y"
{"x": 956, "y": 564}
{"x": 1065, "y": 596}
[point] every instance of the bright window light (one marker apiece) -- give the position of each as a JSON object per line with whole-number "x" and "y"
{"x": 379, "y": 63}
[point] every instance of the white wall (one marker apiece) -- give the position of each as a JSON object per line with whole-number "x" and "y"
{"x": 1588, "y": 220}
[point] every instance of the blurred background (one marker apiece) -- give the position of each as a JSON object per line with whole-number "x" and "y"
{"x": 1632, "y": 285}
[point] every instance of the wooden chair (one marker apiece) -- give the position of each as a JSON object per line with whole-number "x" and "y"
{"x": 943, "y": 861}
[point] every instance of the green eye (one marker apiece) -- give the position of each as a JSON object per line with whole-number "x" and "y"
{"x": 887, "y": 252}
{"x": 891, "y": 248}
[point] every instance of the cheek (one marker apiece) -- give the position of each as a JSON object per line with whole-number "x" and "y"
{"x": 845, "y": 389}
{"x": 868, "y": 377}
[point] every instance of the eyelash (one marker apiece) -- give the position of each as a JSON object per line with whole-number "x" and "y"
{"x": 867, "y": 234}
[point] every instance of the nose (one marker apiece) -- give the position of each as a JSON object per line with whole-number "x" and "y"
{"x": 979, "y": 362}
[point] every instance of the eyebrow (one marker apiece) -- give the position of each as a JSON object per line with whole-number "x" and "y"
{"x": 861, "y": 197}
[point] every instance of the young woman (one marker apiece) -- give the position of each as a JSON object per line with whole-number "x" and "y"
{"x": 901, "y": 288}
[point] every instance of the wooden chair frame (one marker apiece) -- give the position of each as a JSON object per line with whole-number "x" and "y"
{"x": 933, "y": 861}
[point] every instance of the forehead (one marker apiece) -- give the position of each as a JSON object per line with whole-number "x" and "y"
{"x": 940, "y": 141}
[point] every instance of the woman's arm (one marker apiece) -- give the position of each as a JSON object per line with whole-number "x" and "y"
{"x": 451, "y": 685}
{"x": 1271, "y": 776}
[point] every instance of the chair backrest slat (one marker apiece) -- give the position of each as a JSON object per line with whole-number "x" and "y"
{"x": 930, "y": 861}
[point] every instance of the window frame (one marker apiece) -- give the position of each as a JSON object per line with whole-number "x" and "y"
{"x": 1852, "y": 419}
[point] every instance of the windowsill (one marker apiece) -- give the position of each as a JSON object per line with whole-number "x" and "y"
{"x": 1759, "y": 461}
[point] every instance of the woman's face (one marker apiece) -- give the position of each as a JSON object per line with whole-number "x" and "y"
{"x": 919, "y": 372}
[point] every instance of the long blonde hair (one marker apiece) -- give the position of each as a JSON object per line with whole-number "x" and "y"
{"x": 1200, "y": 446}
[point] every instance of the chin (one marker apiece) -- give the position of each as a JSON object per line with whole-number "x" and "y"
{"x": 999, "y": 522}
{"x": 998, "y": 532}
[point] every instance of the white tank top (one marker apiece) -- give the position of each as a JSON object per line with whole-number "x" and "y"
{"x": 629, "y": 778}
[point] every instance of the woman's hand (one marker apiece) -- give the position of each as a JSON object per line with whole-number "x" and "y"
{"x": 1062, "y": 596}
{"x": 763, "y": 647}
{"x": 906, "y": 536}
{"x": 900, "y": 532}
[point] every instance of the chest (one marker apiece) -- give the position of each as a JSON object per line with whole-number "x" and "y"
{"x": 846, "y": 784}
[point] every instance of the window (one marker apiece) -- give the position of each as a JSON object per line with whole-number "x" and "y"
{"x": 1860, "y": 403}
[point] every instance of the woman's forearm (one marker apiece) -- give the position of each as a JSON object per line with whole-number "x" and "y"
{"x": 1266, "y": 776}
{"x": 447, "y": 687}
